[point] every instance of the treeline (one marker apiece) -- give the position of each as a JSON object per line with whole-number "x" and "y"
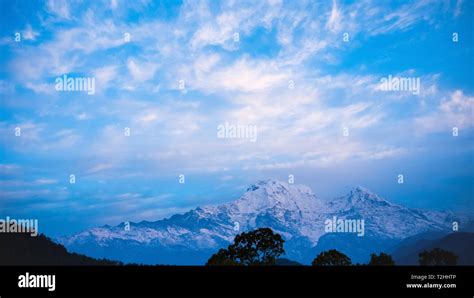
{"x": 263, "y": 247}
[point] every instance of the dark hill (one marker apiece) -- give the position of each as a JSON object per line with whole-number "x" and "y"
{"x": 286, "y": 262}
{"x": 460, "y": 243}
{"x": 21, "y": 249}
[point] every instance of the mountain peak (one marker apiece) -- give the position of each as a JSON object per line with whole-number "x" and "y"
{"x": 266, "y": 184}
{"x": 271, "y": 186}
{"x": 271, "y": 193}
{"x": 361, "y": 189}
{"x": 362, "y": 194}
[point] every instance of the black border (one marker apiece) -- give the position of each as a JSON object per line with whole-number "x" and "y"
{"x": 288, "y": 281}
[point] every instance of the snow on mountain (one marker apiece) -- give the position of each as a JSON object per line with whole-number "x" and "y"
{"x": 290, "y": 210}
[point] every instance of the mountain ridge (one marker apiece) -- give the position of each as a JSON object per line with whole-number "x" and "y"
{"x": 293, "y": 211}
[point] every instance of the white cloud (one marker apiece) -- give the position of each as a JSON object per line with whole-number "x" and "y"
{"x": 59, "y": 8}
{"x": 99, "y": 168}
{"x": 403, "y": 17}
{"x": 13, "y": 195}
{"x": 105, "y": 75}
{"x": 334, "y": 21}
{"x": 141, "y": 71}
{"x": 46, "y": 181}
{"x": 226, "y": 178}
{"x": 457, "y": 9}
{"x": 67, "y": 50}
{"x": 29, "y": 34}
{"x": 82, "y": 116}
{"x": 456, "y": 111}
{"x": 148, "y": 117}
{"x": 41, "y": 87}
{"x": 329, "y": 156}
{"x": 244, "y": 75}
{"x": 218, "y": 33}
{"x": 113, "y": 4}
{"x": 234, "y": 17}
{"x": 8, "y": 168}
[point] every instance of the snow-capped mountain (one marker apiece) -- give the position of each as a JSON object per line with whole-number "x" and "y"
{"x": 293, "y": 211}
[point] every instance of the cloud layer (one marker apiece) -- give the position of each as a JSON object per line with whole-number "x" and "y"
{"x": 307, "y": 74}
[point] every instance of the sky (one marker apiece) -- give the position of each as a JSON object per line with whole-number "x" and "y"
{"x": 307, "y": 77}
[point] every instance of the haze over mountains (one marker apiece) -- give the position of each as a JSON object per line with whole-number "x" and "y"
{"x": 293, "y": 211}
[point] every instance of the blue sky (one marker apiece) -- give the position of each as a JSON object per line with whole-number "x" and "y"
{"x": 241, "y": 81}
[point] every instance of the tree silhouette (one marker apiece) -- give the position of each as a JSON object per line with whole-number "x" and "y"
{"x": 382, "y": 259}
{"x": 331, "y": 258}
{"x": 259, "y": 247}
{"x": 436, "y": 257}
{"x": 221, "y": 258}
